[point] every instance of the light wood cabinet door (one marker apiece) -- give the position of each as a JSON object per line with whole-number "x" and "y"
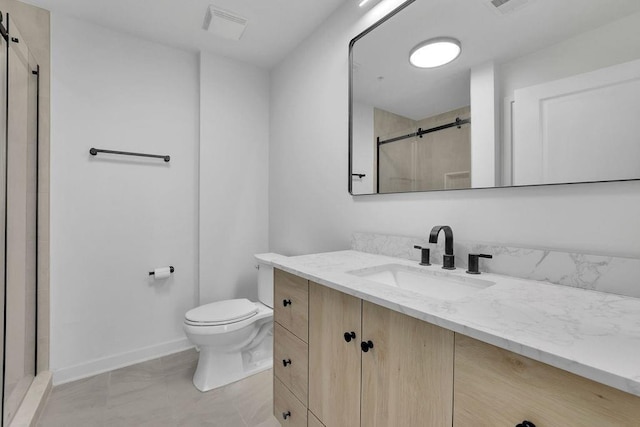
{"x": 291, "y": 301}
{"x": 498, "y": 388}
{"x": 407, "y": 377}
{"x": 334, "y": 363}
{"x": 290, "y": 361}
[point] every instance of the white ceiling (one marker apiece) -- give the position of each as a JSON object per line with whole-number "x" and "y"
{"x": 485, "y": 35}
{"x": 275, "y": 27}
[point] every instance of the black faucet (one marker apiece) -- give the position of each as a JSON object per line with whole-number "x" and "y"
{"x": 424, "y": 255}
{"x": 448, "y": 260}
{"x": 474, "y": 261}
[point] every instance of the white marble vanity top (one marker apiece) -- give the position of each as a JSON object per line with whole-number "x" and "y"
{"x": 592, "y": 334}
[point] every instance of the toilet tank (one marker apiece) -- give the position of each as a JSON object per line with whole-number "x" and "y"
{"x": 265, "y": 284}
{"x": 265, "y": 277}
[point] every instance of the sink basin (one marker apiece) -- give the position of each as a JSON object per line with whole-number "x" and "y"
{"x": 434, "y": 284}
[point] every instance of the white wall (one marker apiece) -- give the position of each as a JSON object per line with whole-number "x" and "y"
{"x": 113, "y": 219}
{"x": 580, "y": 54}
{"x": 484, "y": 137}
{"x": 310, "y": 209}
{"x": 363, "y": 148}
{"x": 234, "y": 153}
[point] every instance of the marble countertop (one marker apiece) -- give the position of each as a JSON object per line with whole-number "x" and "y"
{"x": 592, "y": 334}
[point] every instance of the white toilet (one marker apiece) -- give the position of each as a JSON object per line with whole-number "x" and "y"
{"x": 235, "y": 337}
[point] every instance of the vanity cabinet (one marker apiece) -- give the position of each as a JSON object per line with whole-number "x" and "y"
{"x": 290, "y": 349}
{"x": 371, "y": 366}
{"x": 290, "y": 300}
{"x": 340, "y": 361}
{"x": 407, "y": 377}
{"x": 312, "y": 421}
{"x": 334, "y": 363}
{"x": 290, "y": 356}
{"x": 288, "y": 410}
{"x": 495, "y": 387}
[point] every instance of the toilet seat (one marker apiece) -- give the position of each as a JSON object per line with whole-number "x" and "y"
{"x": 221, "y": 313}
{"x": 196, "y": 328}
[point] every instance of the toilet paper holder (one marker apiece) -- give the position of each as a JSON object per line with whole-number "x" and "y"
{"x": 171, "y": 270}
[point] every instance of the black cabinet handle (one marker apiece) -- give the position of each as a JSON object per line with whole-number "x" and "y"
{"x": 286, "y": 415}
{"x": 286, "y": 302}
{"x": 348, "y": 336}
{"x": 365, "y": 346}
{"x": 286, "y": 362}
{"x": 526, "y": 423}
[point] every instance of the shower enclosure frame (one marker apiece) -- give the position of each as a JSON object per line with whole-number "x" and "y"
{"x": 8, "y": 39}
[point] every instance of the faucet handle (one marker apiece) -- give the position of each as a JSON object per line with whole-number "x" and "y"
{"x": 425, "y": 254}
{"x": 474, "y": 262}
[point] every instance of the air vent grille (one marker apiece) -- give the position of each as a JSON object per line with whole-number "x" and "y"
{"x": 498, "y": 3}
{"x": 504, "y": 7}
{"x": 229, "y": 17}
{"x": 224, "y": 24}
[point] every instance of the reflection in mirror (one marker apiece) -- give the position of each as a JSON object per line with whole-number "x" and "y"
{"x": 542, "y": 92}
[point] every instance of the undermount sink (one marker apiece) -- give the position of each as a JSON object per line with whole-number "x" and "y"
{"x": 440, "y": 285}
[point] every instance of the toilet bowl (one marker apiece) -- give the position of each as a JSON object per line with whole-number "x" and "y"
{"x": 235, "y": 337}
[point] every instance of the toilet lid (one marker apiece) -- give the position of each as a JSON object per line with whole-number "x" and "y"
{"x": 228, "y": 311}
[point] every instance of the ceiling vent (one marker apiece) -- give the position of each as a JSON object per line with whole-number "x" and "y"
{"x": 224, "y": 24}
{"x": 503, "y": 7}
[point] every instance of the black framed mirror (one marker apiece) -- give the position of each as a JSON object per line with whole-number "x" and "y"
{"x": 541, "y": 92}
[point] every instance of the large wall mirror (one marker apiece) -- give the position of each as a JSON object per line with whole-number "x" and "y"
{"x": 536, "y": 92}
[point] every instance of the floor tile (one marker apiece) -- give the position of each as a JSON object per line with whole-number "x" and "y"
{"x": 252, "y": 397}
{"x": 78, "y": 403}
{"x": 210, "y": 410}
{"x": 159, "y": 393}
{"x": 179, "y": 361}
{"x": 270, "y": 421}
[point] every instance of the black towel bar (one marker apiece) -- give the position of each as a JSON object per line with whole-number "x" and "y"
{"x": 94, "y": 151}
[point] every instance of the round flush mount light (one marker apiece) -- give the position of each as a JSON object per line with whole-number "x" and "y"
{"x": 363, "y": 3}
{"x": 435, "y": 52}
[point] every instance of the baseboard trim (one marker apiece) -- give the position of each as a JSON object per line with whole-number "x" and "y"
{"x": 109, "y": 363}
{"x": 33, "y": 402}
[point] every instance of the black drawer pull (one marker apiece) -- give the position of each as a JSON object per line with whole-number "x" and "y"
{"x": 348, "y": 336}
{"x": 286, "y": 362}
{"x": 287, "y": 414}
{"x": 526, "y": 423}
{"x": 365, "y": 346}
{"x": 286, "y": 302}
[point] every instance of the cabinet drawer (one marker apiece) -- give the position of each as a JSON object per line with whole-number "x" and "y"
{"x": 288, "y": 410}
{"x": 291, "y": 302}
{"x": 495, "y": 387}
{"x": 291, "y": 361}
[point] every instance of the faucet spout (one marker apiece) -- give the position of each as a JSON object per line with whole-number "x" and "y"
{"x": 448, "y": 260}
{"x": 448, "y": 237}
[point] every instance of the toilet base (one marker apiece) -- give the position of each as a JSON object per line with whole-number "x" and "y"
{"x": 216, "y": 369}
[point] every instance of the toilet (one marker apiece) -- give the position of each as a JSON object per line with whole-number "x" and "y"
{"x": 235, "y": 337}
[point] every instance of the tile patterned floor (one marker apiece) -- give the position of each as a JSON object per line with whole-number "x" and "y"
{"x": 159, "y": 393}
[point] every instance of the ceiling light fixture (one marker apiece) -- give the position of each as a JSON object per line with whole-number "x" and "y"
{"x": 363, "y": 3}
{"x": 435, "y": 52}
